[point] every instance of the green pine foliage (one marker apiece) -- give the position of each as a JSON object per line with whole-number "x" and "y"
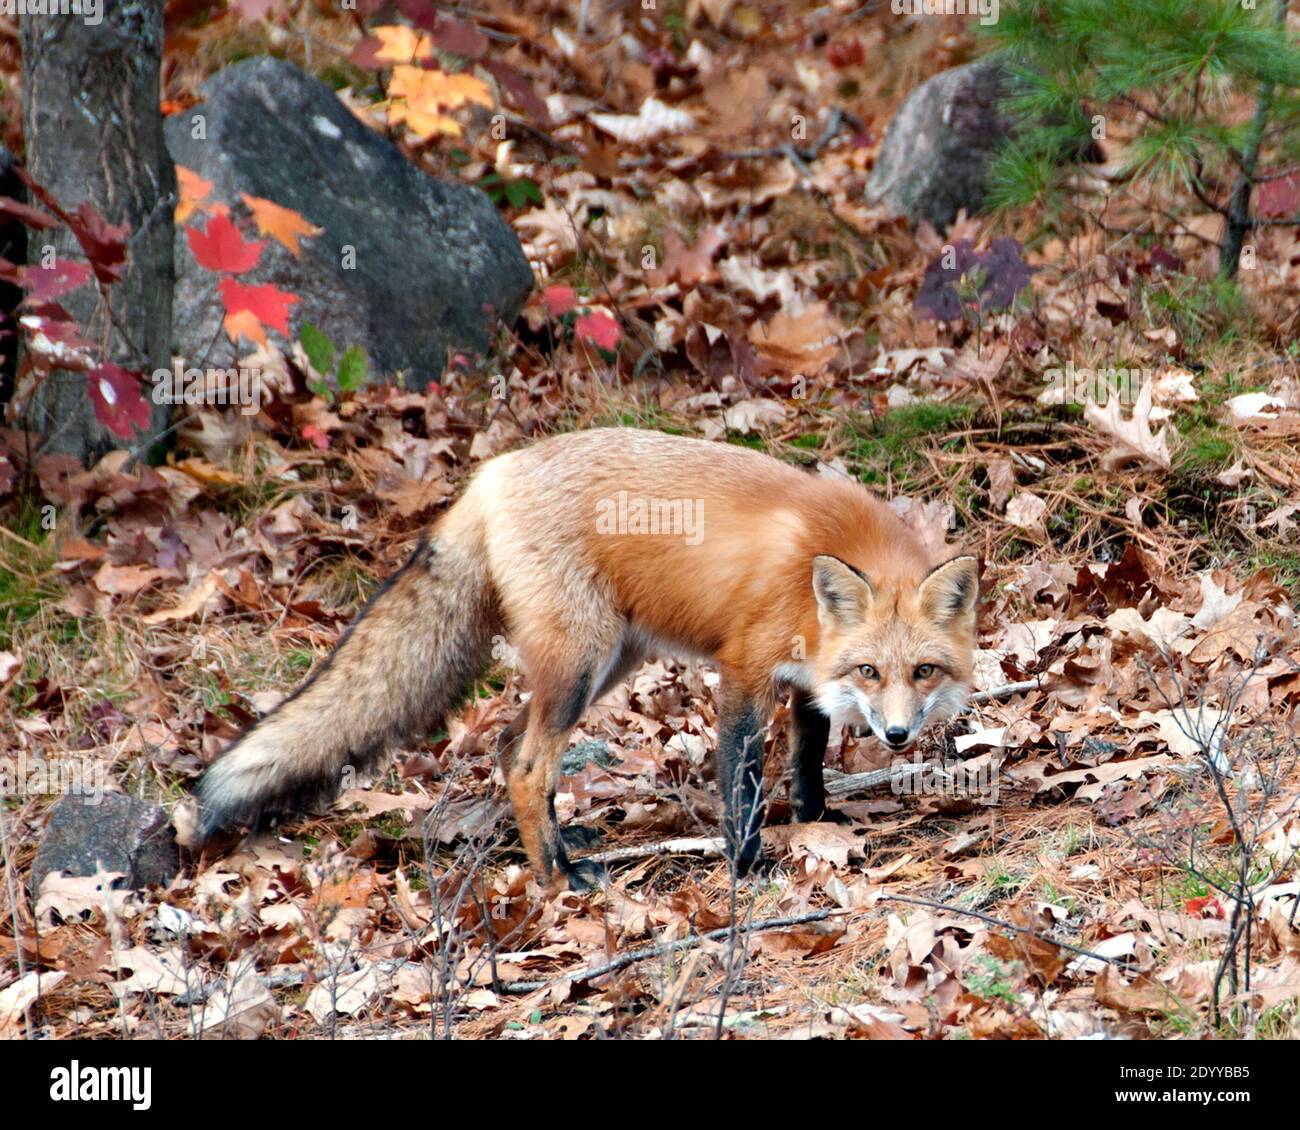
{"x": 1180, "y": 68}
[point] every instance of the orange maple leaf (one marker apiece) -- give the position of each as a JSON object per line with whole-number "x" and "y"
{"x": 283, "y": 224}
{"x": 194, "y": 192}
{"x": 402, "y": 44}
{"x": 244, "y": 323}
{"x": 419, "y": 98}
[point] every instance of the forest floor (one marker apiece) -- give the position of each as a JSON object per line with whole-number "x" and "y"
{"x": 1140, "y": 565}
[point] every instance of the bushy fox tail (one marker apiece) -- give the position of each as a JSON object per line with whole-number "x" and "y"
{"x": 405, "y": 661}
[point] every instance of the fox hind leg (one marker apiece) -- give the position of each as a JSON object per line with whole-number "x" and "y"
{"x": 533, "y": 771}
{"x": 513, "y": 745}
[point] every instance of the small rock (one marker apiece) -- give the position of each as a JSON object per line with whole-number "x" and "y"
{"x": 120, "y": 832}
{"x": 587, "y": 751}
{"x": 937, "y": 150}
{"x": 406, "y": 266}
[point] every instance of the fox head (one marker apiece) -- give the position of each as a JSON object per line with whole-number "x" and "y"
{"x": 897, "y": 653}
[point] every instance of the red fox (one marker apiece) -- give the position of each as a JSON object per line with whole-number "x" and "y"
{"x": 591, "y": 551}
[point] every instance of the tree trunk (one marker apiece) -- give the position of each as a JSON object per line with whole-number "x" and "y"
{"x": 13, "y": 247}
{"x": 94, "y": 132}
{"x": 1239, "y": 222}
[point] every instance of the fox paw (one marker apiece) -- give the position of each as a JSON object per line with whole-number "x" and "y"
{"x": 750, "y": 862}
{"x": 584, "y": 876}
{"x": 832, "y": 816}
{"x": 578, "y": 837}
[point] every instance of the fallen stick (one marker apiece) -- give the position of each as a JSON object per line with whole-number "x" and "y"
{"x": 796, "y": 156}
{"x": 842, "y": 784}
{"x": 633, "y": 956}
{"x": 1006, "y": 691}
{"x": 685, "y": 845}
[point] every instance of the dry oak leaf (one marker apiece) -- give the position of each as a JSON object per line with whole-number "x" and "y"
{"x": 754, "y": 415}
{"x": 655, "y": 119}
{"x": 1026, "y": 510}
{"x": 1254, "y": 407}
{"x": 1002, "y": 480}
{"x": 798, "y": 341}
{"x": 1216, "y": 604}
{"x": 1132, "y": 437}
{"x": 191, "y": 604}
{"x": 126, "y": 580}
{"x": 346, "y": 994}
{"x": 1187, "y": 732}
{"x": 831, "y": 842}
{"x": 1143, "y": 995}
{"x": 241, "y": 1012}
{"x": 17, "y": 998}
{"x": 162, "y": 972}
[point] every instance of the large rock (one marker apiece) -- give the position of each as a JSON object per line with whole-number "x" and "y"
{"x": 120, "y": 832}
{"x": 435, "y": 264}
{"x": 935, "y": 157}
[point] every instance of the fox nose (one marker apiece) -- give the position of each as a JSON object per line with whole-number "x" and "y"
{"x": 896, "y": 735}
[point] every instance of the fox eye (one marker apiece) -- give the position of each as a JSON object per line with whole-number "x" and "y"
{"x": 868, "y": 672}
{"x": 924, "y": 671}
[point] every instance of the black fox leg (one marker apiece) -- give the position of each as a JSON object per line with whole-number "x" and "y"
{"x": 810, "y": 732}
{"x": 740, "y": 777}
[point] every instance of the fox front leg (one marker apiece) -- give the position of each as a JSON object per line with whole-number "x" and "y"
{"x": 811, "y": 731}
{"x": 740, "y": 777}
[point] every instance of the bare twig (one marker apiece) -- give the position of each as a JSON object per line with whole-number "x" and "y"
{"x": 633, "y": 956}
{"x": 1001, "y": 925}
{"x": 797, "y": 157}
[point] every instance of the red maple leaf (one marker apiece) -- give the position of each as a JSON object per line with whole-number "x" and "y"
{"x": 518, "y": 87}
{"x": 1207, "y": 907}
{"x": 599, "y": 329}
{"x": 420, "y": 12}
{"x": 1280, "y": 198}
{"x": 458, "y": 37}
{"x": 45, "y": 283}
{"x": 221, "y": 247}
{"x": 266, "y": 302}
{"x": 103, "y": 243}
{"x": 118, "y": 402}
{"x": 559, "y": 300}
{"x": 314, "y": 435}
{"x": 847, "y": 53}
{"x": 365, "y": 54}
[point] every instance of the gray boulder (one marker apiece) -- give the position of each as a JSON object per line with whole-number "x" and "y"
{"x": 937, "y": 150}
{"x": 121, "y": 832}
{"x": 435, "y": 265}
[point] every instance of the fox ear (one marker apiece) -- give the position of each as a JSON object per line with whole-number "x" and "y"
{"x": 949, "y": 591}
{"x": 842, "y": 592}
